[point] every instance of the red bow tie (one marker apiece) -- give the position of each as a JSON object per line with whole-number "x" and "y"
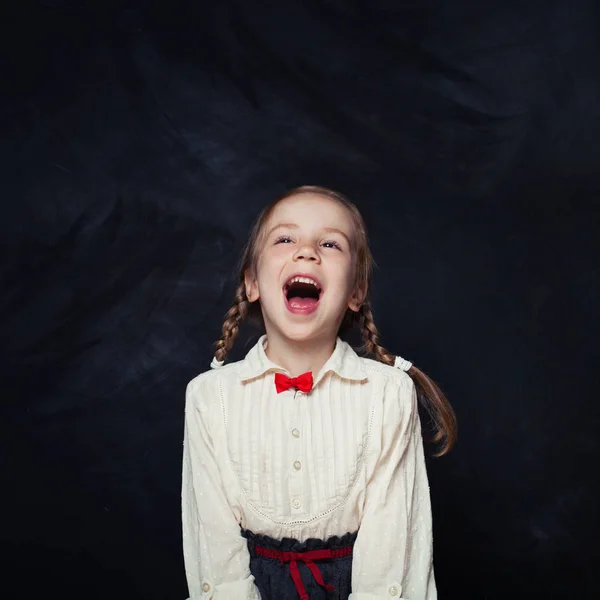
{"x": 303, "y": 382}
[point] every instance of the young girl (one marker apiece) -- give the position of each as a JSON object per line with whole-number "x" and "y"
{"x": 303, "y": 467}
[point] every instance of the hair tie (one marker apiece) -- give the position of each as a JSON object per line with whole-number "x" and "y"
{"x": 215, "y": 364}
{"x": 401, "y": 363}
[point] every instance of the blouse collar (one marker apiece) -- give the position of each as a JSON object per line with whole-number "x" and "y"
{"x": 343, "y": 361}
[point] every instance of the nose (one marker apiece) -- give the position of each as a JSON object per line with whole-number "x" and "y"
{"x": 306, "y": 252}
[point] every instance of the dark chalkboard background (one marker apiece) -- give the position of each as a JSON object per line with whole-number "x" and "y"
{"x": 140, "y": 139}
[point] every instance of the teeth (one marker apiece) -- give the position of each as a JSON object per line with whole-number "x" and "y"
{"x": 303, "y": 280}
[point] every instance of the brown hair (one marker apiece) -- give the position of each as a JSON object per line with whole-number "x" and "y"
{"x": 430, "y": 395}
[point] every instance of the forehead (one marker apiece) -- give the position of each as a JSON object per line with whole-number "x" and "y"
{"x": 312, "y": 210}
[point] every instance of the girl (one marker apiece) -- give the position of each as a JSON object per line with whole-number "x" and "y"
{"x": 303, "y": 466}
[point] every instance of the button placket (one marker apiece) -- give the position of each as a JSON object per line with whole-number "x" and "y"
{"x": 395, "y": 590}
{"x": 295, "y": 457}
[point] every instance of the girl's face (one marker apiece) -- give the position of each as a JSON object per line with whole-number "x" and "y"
{"x": 311, "y": 236}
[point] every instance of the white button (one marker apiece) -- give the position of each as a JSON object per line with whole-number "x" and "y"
{"x": 206, "y": 587}
{"x": 393, "y": 591}
{"x": 295, "y": 433}
{"x": 296, "y": 503}
{"x": 297, "y": 465}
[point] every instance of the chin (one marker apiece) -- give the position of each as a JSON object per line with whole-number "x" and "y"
{"x": 304, "y": 332}
{"x": 299, "y": 328}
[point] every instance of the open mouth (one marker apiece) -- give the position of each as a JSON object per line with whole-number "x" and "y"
{"x": 302, "y": 294}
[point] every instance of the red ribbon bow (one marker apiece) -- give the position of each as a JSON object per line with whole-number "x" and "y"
{"x": 308, "y": 558}
{"x": 303, "y": 382}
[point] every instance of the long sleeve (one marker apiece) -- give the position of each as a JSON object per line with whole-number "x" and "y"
{"x": 217, "y": 561}
{"x": 393, "y": 555}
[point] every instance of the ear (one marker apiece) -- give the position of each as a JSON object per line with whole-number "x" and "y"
{"x": 356, "y": 299}
{"x": 251, "y": 287}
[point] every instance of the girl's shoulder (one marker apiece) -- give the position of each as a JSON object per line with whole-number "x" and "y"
{"x": 376, "y": 368}
{"x": 210, "y": 378}
{"x": 396, "y": 385}
{"x": 203, "y": 394}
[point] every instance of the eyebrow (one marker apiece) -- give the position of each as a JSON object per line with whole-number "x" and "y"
{"x": 294, "y": 226}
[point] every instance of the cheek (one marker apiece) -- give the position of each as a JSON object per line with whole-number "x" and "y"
{"x": 280, "y": 251}
{"x": 270, "y": 267}
{"x": 277, "y": 256}
{"x": 345, "y": 269}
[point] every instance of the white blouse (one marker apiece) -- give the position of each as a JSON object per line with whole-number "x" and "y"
{"x": 346, "y": 456}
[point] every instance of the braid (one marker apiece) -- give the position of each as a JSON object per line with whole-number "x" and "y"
{"x": 431, "y": 397}
{"x": 371, "y": 336}
{"x": 233, "y": 319}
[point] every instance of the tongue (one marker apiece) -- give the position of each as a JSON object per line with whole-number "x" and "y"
{"x": 301, "y": 303}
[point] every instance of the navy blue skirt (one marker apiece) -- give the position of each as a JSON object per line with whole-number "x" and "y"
{"x": 314, "y": 569}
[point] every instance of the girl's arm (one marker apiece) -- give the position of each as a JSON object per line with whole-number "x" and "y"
{"x": 393, "y": 554}
{"x": 217, "y": 561}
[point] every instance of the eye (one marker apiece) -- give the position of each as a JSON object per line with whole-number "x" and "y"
{"x": 332, "y": 244}
{"x": 283, "y": 238}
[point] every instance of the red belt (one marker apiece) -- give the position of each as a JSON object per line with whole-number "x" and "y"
{"x": 307, "y": 558}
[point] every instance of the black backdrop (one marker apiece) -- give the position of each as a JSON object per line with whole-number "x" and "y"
{"x": 139, "y": 140}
